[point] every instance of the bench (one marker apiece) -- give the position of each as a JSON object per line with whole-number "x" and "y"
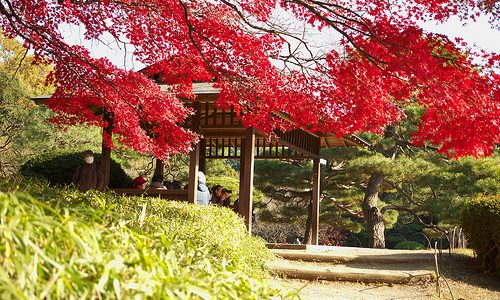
{"x": 180, "y": 195}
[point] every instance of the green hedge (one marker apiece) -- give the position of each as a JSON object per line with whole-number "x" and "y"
{"x": 61, "y": 244}
{"x": 58, "y": 169}
{"x": 481, "y": 224}
{"x": 409, "y": 245}
{"x": 392, "y": 240}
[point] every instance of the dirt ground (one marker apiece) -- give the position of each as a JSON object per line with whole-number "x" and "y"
{"x": 460, "y": 272}
{"x": 356, "y": 291}
{"x": 466, "y": 281}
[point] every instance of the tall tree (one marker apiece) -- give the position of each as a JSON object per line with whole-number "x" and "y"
{"x": 382, "y": 59}
{"x": 17, "y": 62}
{"x": 24, "y": 127}
{"x": 12, "y": 95}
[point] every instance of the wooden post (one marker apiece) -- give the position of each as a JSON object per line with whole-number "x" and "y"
{"x": 245, "y": 206}
{"x": 106, "y": 151}
{"x": 315, "y": 201}
{"x": 242, "y": 166}
{"x": 194, "y": 157}
{"x": 194, "y": 162}
{"x": 203, "y": 153}
{"x": 159, "y": 167}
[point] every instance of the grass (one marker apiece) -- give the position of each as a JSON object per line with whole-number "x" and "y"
{"x": 61, "y": 244}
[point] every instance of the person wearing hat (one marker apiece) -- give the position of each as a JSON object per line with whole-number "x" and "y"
{"x": 203, "y": 194}
{"x": 157, "y": 183}
{"x": 140, "y": 183}
{"x": 88, "y": 176}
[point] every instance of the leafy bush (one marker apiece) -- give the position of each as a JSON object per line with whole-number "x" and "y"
{"x": 227, "y": 182}
{"x": 62, "y": 244}
{"x": 278, "y": 232}
{"x": 409, "y": 245}
{"x": 58, "y": 169}
{"x": 481, "y": 224}
{"x": 392, "y": 240}
{"x": 403, "y": 231}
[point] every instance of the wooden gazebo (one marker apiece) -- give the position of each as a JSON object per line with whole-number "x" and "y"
{"x": 223, "y": 136}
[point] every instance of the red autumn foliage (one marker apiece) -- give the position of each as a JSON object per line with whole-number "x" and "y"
{"x": 383, "y": 62}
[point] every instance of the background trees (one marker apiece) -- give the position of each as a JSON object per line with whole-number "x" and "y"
{"x": 418, "y": 194}
{"x": 25, "y": 130}
{"x": 393, "y": 184}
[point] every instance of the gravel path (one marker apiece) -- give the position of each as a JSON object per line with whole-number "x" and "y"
{"x": 357, "y": 291}
{"x": 460, "y": 271}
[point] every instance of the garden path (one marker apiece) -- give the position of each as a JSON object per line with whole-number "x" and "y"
{"x": 458, "y": 269}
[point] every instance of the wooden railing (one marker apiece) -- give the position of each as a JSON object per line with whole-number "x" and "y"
{"x": 180, "y": 195}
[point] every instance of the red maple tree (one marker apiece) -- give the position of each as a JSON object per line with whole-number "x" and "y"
{"x": 383, "y": 61}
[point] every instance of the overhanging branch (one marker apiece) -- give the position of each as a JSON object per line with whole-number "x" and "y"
{"x": 414, "y": 213}
{"x": 345, "y": 208}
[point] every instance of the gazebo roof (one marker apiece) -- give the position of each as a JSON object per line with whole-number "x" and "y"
{"x": 207, "y": 94}
{"x": 222, "y": 129}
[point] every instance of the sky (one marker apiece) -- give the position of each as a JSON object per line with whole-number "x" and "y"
{"x": 477, "y": 33}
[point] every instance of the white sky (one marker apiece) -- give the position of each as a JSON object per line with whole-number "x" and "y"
{"x": 479, "y": 34}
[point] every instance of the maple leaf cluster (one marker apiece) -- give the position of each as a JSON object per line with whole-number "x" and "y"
{"x": 383, "y": 61}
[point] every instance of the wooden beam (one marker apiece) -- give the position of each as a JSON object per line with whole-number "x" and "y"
{"x": 223, "y": 132}
{"x": 357, "y": 141}
{"x": 106, "y": 151}
{"x": 242, "y": 169}
{"x": 300, "y": 141}
{"x": 298, "y": 149}
{"x": 326, "y": 142}
{"x": 205, "y": 113}
{"x": 315, "y": 201}
{"x": 214, "y": 116}
{"x": 203, "y": 154}
{"x": 210, "y": 147}
{"x": 245, "y": 206}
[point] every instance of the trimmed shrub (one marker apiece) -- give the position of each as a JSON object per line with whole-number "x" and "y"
{"x": 62, "y": 244}
{"x": 481, "y": 224}
{"x": 278, "y": 232}
{"x": 392, "y": 240}
{"x": 409, "y": 245}
{"x": 226, "y": 182}
{"x": 58, "y": 169}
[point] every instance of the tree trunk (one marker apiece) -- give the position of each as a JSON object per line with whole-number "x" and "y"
{"x": 307, "y": 233}
{"x": 374, "y": 219}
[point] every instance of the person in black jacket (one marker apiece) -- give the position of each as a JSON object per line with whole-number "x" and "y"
{"x": 89, "y": 175}
{"x": 226, "y": 197}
